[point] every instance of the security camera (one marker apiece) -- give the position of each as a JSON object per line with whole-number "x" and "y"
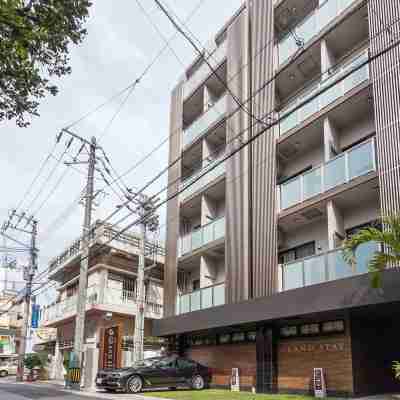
{"x": 108, "y": 316}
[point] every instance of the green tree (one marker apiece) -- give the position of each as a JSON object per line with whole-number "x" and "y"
{"x": 34, "y": 360}
{"x": 34, "y": 39}
{"x": 388, "y": 239}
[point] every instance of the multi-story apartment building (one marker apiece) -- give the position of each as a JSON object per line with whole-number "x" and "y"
{"x": 303, "y": 109}
{"x": 111, "y": 298}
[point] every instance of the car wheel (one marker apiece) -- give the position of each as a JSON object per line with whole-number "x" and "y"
{"x": 134, "y": 384}
{"x": 3, "y": 373}
{"x": 172, "y": 388}
{"x": 198, "y": 382}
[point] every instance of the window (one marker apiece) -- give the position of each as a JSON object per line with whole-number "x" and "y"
{"x": 288, "y": 331}
{"x": 333, "y": 326}
{"x": 238, "y": 337}
{"x": 169, "y": 362}
{"x": 183, "y": 363}
{"x": 310, "y": 329}
{"x": 224, "y": 338}
{"x": 296, "y": 253}
{"x": 196, "y": 284}
{"x": 251, "y": 336}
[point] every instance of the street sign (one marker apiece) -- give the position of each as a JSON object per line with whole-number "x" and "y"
{"x": 319, "y": 383}
{"x": 35, "y": 316}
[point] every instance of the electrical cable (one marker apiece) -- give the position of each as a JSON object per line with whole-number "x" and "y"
{"x": 252, "y": 139}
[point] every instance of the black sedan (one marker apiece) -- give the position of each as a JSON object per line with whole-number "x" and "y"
{"x": 160, "y": 372}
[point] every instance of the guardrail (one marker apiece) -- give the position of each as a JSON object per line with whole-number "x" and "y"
{"x": 358, "y": 161}
{"x": 325, "y": 267}
{"x": 201, "y": 299}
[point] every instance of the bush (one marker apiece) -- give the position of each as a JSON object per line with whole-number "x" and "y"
{"x": 33, "y": 360}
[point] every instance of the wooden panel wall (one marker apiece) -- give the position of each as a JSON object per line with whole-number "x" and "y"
{"x": 298, "y": 357}
{"x": 237, "y": 245}
{"x": 223, "y": 358}
{"x": 386, "y": 86}
{"x": 263, "y": 150}
{"x": 171, "y": 263}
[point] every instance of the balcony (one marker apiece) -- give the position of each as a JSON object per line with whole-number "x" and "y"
{"x": 325, "y": 267}
{"x": 207, "y": 120}
{"x": 114, "y": 300}
{"x": 201, "y": 299}
{"x": 358, "y": 161}
{"x": 204, "y": 71}
{"x": 316, "y": 22}
{"x": 103, "y": 234}
{"x": 328, "y": 97}
{"x": 203, "y": 236}
{"x": 206, "y": 176}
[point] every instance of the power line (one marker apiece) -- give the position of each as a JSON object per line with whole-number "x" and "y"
{"x": 252, "y": 139}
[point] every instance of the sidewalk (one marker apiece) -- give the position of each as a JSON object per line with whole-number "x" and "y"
{"x": 59, "y": 384}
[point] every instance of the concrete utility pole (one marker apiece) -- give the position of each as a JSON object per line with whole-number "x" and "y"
{"x": 77, "y": 360}
{"x": 29, "y": 273}
{"x": 149, "y": 221}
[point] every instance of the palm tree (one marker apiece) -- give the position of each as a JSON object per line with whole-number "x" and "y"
{"x": 389, "y": 241}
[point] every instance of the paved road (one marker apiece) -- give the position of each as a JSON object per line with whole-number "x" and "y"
{"x": 10, "y": 390}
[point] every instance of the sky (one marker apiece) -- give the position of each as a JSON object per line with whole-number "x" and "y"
{"x": 120, "y": 43}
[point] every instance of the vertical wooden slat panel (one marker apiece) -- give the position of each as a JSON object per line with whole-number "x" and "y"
{"x": 385, "y": 72}
{"x": 263, "y": 151}
{"x": 171, "y": 259}
{"x": 237, "y": 246}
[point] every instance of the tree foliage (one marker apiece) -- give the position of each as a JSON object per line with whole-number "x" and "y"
{"x": 34, "y": 39}
{"x": 34, "y": 360}
{"x": 388, "y": 238}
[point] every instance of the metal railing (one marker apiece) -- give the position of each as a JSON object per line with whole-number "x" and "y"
{"x": 113, "y": 297}
{"x": 204, "y": 71}
{"x": 206, "y": 234}
{"x": 204, "y": 180}
{"x": 329, "y": 96}
{"x": 201, "y": 299}
{"x": 100, "y": 234}
{"x": 358, "y": 161}
{"x": 310, "y": 27}
{"x": 205, "y": 121}
{"x": 325, "y": 267}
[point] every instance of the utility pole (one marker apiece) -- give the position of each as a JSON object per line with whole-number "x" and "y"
{"x": 148, "y": 221}
{"x": 77, "y": 359}
{"x": 29, "y": 273}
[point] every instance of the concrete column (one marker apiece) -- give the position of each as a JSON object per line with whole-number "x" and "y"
{"x": 331, "y": 140}
{"x": 327, "y": 59}
{"x": 208, "y": 210}
{"x": 207, "y": 271}
{"x": 102, "y": 284}
{"x": 336, "y": 231}
{"x": 57, "y": 363}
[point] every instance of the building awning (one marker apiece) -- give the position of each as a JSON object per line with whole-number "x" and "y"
{"x": 340, "y": 295}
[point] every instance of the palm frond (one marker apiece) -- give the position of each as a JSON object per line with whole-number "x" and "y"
{"x": 378, "y": 263}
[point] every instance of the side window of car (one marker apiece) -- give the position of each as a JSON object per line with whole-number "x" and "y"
{"x": 185, "y": 364}
{"x": 167, "y": 363}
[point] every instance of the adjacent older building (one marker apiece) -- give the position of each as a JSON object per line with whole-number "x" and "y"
{"x": 287, "y": 146}
{"x": 111, "y": 299}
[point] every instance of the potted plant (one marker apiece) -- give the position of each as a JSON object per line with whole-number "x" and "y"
{"x": 33, "y": 361}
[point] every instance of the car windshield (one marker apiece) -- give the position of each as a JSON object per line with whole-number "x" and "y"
{"x": 146, "y": 363}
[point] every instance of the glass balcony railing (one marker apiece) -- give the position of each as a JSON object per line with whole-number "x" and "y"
{"x": 206, "y": 234}
{"x": 311, "y": 27}
{"x": 200, "y": 75}
{"x": 329, "y": 96}
{"x": 325, "y": 267}
{"x": 201, "y": 299}
{"x": 358, "y": 161}
{"x": 202, "y": 124}
{"x": 207, "y": 176}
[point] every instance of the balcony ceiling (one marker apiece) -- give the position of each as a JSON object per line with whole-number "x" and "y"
{"x": 291, "y": 12}
{"x": 349, "y": 34}
{"x": 192, "y": 159}
{"x": 295, "y": 145}
{"x": 295, "y": 76}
